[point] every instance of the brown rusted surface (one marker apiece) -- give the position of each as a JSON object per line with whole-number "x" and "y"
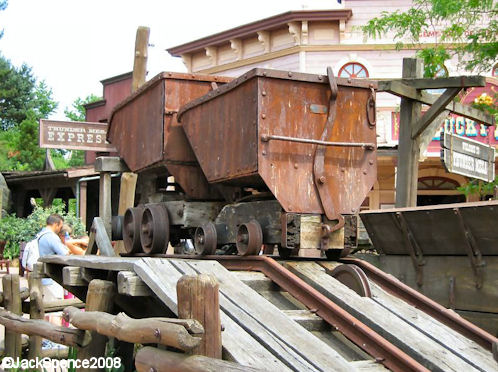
{"x": 227, "y": 129}
{"x": 435, "y": 310}
{"x": 145, "y": 131}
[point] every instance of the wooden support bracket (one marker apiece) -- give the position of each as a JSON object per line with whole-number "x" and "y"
{"x": 430, "y": 115}
{"x": 99, "y": 239}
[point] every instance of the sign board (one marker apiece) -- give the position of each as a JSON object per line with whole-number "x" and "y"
{"x": 74, "y": 135}
{"x": 468, "y": 157}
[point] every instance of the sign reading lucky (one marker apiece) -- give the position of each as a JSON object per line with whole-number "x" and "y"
{"x": 74, "y": 135}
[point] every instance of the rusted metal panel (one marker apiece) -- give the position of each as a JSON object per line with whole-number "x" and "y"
{"x": 145, "y": 130}
{"x": 223, "y": 134}
{"x": 231, "y": 128}
{"x": 449, "y": 229}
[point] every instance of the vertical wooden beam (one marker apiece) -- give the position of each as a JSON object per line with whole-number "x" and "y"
{"x": 100, "y": 297}
{"x": 408, "y": 149}
{"x": 140, "y": 62}
{"x": 126, "y": 200}
{"x": 12, "y": 303}
{"x": 198, "y": 298}
{"x": 36, "y": 309}
{"x": 105, "y": 210}
{"x": 83, "y": 201}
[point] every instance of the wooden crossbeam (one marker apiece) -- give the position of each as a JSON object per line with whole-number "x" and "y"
{"x": 437, "y": 107}
{"x": 440, "y": 83}
{"x": 400, "y": 89}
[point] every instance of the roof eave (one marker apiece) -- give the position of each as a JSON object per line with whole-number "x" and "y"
{"x": 261, "y": 25}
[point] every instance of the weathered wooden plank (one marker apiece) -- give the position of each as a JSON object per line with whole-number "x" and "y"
{"x": 36, "y": 310}
{"x": 126, "y": 200}
{"x": 304, "y": 351}
{"x": 402, "y": 90}
{"x": 140, "y": 60}
{"x": 72, "y": 275}
{"x": 307, "y": 319}
{"x": 162, "y": 277}
{"x": 93, "y": 262}
{"x": 368, "y": 365}
{"x": 102, "y": 236}
{"x": 130, "y": 284}
{"x": 424, "y": 349}
{"x": 466, "y": 349}
{"x": 439, "y": 83}
{"x": 105, "y": 208}
{"x": 256, "y": 280}
{"x": 408, "y": 148}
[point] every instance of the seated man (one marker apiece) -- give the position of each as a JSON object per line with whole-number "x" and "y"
{"x": 49, "y": 243}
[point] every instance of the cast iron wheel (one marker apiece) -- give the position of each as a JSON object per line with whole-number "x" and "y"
{"x": 131, "y": 229}
{"x": 249, "y": 238}
{"x": 205, "y": 239}
{"x": 352, "y": 277}
{"x": 117, "y": 227}
{"x": 154, "y": 232}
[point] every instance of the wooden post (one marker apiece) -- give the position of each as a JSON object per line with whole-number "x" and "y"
{"x": 105, "y": 207}
{"x": 12, "y": 303}
{"x": 100, "y": 297}
{"x": 126, "y": 200}
{"x": 408, "y": 148}
{"x": 36, "y": 308}
{"x": 198, "y": 298}
{"x": 140, "y": 61}
{"x": 83, "y": 201}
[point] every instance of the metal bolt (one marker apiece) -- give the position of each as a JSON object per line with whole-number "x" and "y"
{"x": 322, "y": 179}
{"x": 265, "y": 138}
{"x": 320, "y": 77}
{"x": 263, "y": 116}
{"x": 263, "y": 152}
{"x": 371, "y": 162}
{"x": 349, "y": 80}
{"x": 289, "y": 73}
{"x": 264, "y": 73}
{"x": 365, "y": 171}
{"x": 157, "y": 333}
{"x": 222, "y": 328}
{"x": 353, "y": 210}
{"x": 169, "y": 73}
{"x": 343, "y": 170}
{"x": 295, "y": 165}
{"x": 152, "y": 369}
{"x": 263, "y": 93}
{"x": 379, "y": 359}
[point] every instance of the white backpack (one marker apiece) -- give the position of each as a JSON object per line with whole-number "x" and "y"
{"x": 31, "y": 252}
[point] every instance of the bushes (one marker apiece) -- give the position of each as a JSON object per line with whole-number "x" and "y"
{"x": 16, "y": 230}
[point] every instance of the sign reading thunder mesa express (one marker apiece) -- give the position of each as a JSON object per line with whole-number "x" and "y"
{"x": 74, "y": 135}
{"x": 468, "y": 157}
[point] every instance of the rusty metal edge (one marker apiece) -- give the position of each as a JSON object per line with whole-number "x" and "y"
{"x": 160, "y": 77}
{"x": 435, "y": 310}
{"x": 276, "y": 74}
{"x": 490, "y": 203}
{"x": 367, "y": 339}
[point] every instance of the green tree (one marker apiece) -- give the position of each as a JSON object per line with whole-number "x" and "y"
{"x": 23, "y": 102}
{"x": 466, "y": 28}
{"x": 77, "y": 113}
{"x": 3, "y": 6}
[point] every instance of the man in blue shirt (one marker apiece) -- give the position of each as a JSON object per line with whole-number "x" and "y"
{"x": 49, "y": 243}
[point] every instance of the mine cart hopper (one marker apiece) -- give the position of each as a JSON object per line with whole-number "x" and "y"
{"x": 145, "y": 131}
{"x": 300, "y": 147}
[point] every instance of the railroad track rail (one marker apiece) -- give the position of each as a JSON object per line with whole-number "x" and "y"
{"x": 305, "y": 314}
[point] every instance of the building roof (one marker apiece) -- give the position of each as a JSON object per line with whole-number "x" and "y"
{"x": 76, "y": 172}
{"x": 266, "y": 24}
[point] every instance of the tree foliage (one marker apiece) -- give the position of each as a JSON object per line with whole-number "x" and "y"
{"x": 23, "y": 102}
{"x": 77, "y": 113}
{"x": 3, "y": 6}
{"x": 466, "y": 28}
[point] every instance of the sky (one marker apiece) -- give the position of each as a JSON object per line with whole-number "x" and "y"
{"x": 73, "y": 44}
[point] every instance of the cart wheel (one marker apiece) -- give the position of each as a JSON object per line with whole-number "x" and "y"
{"x": 131, "y": 229}
{"x": 205, "y": 239}
{"x": 154, "y": 232}
{"x": 249, "y": 238}
{"x": 352, "y": 277}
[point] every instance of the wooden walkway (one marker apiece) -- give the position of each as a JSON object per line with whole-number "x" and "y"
{"x": 265, "y": 327}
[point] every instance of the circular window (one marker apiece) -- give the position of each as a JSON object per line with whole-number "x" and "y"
{"x": 441, "y": 72}
{"x": 353, "y": 70}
